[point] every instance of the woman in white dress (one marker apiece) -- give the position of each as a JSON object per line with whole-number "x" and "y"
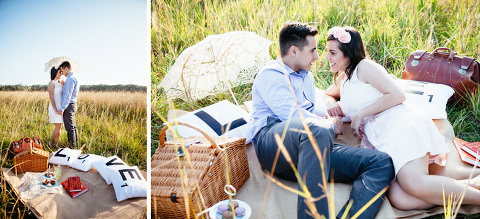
{"x": 374, "y": 103}
{"x": 55, "y": 88}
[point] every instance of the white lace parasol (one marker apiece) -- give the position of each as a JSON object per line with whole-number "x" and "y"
{"x": 215, "y": 64}
{"x": 58, "y": 60}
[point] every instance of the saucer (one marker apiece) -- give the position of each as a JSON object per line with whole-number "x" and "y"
{"x": 213, "y": 213}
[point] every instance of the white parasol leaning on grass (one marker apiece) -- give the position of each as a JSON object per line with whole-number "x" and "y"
{"x": 216, "y": 64}
{"x": 58, "y": 60}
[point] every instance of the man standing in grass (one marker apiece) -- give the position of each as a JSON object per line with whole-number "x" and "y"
{"x": 69, "y": 103}
{"x": 369, "y": 170}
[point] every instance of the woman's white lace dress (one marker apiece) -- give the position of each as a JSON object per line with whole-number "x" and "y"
{"x": 402, "y": 132}
{"x": 57, "y": 96}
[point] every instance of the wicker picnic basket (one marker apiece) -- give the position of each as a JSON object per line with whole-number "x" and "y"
{"x": 183, "y": 186}
{"x": 31, "y": 160}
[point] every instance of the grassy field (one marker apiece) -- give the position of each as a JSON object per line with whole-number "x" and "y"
{"x": 391, "y": 29}
{"x": 108, "y": 123}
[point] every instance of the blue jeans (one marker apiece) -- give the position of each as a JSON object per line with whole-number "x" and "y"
{"x": 369, "y": 170}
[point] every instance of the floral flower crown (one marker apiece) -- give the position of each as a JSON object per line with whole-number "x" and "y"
{"x": 339, "y": 33}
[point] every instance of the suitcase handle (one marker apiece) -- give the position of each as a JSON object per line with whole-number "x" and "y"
{"x": 450, "y": 53}
{"x": 164, "y": 129}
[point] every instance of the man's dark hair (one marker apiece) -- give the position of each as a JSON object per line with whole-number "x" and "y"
{"x": 65, "y": 64}
{"x": 294, "y": 34}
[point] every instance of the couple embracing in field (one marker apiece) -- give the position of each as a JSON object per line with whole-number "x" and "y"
{"x": 404, "y": 141}
{"x": 63, "y": 89}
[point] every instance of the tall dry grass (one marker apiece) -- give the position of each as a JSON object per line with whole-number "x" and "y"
{"x": 108, "y": 123}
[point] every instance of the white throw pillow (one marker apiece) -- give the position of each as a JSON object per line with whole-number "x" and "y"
{"x": 128, "y": 182}
{"x": 105, "y": 165}
{"x": 84, "y": 161}
{"x": 320, "y": 106}
{"x": 214, "y": 119}
{"x": 431, "y": 98}
{"x": 64, "y": 156}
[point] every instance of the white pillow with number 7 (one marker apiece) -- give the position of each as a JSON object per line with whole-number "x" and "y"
{"x": 429, "y": 97}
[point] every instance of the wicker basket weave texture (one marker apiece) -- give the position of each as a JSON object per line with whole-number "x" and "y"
{"x": 31, "y": 160}
{"x": 204, "y": 175}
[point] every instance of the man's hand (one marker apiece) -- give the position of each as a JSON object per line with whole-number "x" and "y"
{"x": 338, "y": 125}
{"x": 59, "y": 112}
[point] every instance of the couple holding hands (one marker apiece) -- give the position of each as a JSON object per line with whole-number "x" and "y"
{"x": 63, "y": 89}
{"x": 405, "y": 141}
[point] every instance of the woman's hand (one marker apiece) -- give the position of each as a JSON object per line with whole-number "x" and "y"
{"x": 333, "y": 108}
{"x": 357, "y": 125}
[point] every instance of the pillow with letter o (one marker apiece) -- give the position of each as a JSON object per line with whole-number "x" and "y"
{"x": 84, "y": 161}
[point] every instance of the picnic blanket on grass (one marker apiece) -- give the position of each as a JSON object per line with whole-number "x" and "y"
{"x": 99, "y": 201}
{"x": 268, "y": 200}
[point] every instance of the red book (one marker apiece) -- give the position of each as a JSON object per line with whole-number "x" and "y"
{"x": 74, "y": 184}
{"x": 464, "y": 156}
{"x": 75, "y": 194}
{"x": 472, "y": 148}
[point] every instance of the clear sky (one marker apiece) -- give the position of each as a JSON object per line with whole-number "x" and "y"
{"x": 110, "y": 39}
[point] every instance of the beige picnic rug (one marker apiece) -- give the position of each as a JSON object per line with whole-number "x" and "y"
{"x": 268, "y": 200}
{"x": 98, "y": 202}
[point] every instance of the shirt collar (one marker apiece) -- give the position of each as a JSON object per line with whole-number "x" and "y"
{"x": 289, "y": 70}
{"x": 71, "y": 73}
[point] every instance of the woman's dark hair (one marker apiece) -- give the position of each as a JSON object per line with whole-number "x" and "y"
{"x": 354, "y": 50}
{"x": 294, "y": 34}
{"x": 53, "y": 73}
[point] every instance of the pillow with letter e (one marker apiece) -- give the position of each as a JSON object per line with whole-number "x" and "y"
{"x": 429, "y": 97}
{"x": 103, "y": 166}
{"x": 84, "y": 161}
{"x": 219, "y": 119}
{"x": 64, "y": 156}
{"x": 128, "y": 182}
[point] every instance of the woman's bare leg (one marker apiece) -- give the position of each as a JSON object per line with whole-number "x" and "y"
{"x": 413, "y": 178}
{"x": 56, "y": 132}
{"x": 403, "y": 201}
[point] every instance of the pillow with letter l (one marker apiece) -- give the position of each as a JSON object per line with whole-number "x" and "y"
{"x": 64, "y": 156}
{"x": 431, "y": 98}
{"x": 84, "y": 161}
{"x": 128, "y": 182}
{"x": 215, "y": 119}
{"x": 103, "y": 166}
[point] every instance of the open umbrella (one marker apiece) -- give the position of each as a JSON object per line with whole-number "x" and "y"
{"x": 58, "y": 60}
{"x": 215, "y": 64}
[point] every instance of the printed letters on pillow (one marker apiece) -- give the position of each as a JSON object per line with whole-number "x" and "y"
{"x": 84, "y": 161}
{"x": 103, "y": 166}
{"x": 64, "y": 156}
{"x": 429, "y": 97}
{"x": 128, "y": 182}
{"x": 215, "y": 119}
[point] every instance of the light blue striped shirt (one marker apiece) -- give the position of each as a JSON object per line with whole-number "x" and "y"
{"x": 271, "y": 94}
{"x": 70, "y": 90}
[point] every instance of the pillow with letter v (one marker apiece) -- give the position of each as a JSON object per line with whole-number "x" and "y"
{"x": 219, "y": 119}
{"x": 128, "y": 182}
{"x": 64, "y": 156}
{"x": 103, "y": 166}
{"x": 431, "y": 98}
{"x": 84, "y": 161}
